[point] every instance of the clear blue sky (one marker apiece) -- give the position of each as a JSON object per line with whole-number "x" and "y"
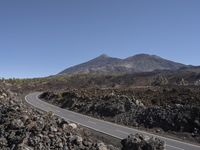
{"x": 43, "y": 37}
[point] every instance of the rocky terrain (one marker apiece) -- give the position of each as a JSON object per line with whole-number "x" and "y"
{"x": 24, "y": 128}
{"x": 172, "y": 110}
{"x": 140, "y": 142}
{"x": 189, "y": 76}
{"x": 109, "y": 65}
{"x": 165, "y": 101}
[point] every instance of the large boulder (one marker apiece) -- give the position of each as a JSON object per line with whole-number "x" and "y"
{"x": 140, "y": 142}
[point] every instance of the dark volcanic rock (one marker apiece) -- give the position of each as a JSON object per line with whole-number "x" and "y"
{"x": 24, "y": 128}
{"x": 176, "y": 118}
{"x": 168, "y": 109}
{"x": 139, "y": 142}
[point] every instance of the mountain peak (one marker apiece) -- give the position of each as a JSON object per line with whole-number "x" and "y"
{"x": 143, "y": 56}
{"x": 103, "y": 56}
{"x": 146, "y": 55}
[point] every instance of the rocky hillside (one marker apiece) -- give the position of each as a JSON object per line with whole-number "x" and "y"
{"x": 170, "y": 110}
{"x": 138, "y": 63}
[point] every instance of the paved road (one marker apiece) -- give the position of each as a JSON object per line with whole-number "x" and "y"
{"x": 108, "y": 128}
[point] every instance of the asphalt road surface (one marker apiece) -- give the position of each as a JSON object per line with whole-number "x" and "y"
{"x": 108, "y": 128}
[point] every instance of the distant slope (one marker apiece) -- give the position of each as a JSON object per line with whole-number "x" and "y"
{"x": 103, "y": 64}
{"x": 148, "y": 63}
{"x": 138, "y": 63}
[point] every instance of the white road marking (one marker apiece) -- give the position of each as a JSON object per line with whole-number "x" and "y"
{"x": 174, "y": 147}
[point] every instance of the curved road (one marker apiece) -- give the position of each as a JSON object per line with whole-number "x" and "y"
{"x": 108, "y": 128}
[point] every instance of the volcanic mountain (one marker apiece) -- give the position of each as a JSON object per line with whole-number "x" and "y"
{"x": 134, "y": 64}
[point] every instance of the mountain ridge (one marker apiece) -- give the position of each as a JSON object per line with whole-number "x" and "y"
{"x": 137, "y": 63}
